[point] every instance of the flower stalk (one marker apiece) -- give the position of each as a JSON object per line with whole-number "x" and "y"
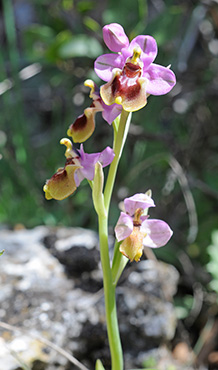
{"x": 110, "y": 298}
{"x": 110, "y": 277}
{"x": 119, "y": 142}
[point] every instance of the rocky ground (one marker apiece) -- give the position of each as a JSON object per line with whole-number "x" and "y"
{"x": 51, "y": 300}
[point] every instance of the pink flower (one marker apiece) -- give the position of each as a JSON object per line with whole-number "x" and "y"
{"x": 79, "y": 165}
{"x": 84, "y": 125}
{"x": 131, "y": 74}
{"x": 135, "y": 230}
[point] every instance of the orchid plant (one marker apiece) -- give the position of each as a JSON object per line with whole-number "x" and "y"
{"x": 130, "y": 76}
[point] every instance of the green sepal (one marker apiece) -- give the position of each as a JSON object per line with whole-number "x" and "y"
{"x": 2, "y": 252}
{"x": 119, "y": 263}
{"x": 97, "y": 190}
{"x": 98, "y": 365}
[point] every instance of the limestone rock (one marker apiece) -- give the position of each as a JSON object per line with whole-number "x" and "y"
{"x": 51, "y": 287}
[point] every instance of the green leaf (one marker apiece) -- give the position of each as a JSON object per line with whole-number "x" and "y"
{"x": 91, "y": 24}
{"x": 85, "y": 5}
{"x": 67, "y": 4}
{"x": 119, "y": 263}
{"x": 98, "y": 365}
{"x": 37, "y": 38}
{"x": 2, "y": 252}
{"x": 39, "y": 32}
{"x": 80, "y": 46}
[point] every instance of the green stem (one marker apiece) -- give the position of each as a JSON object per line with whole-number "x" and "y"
{"x": 118, "y": 148}
{"x": 110, "y": 277}
{"x": 110, "y": 298}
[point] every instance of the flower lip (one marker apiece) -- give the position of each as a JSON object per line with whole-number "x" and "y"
{"x": 126, "y": 87}
{"x": 132, "y": 246}
{"x": 62, "y": 183}
{"x": 81, "y": 122}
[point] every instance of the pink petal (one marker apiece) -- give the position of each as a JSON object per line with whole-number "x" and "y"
{"x": 158, "y": 233}
{"x": 115, "y": 37}
{"x": 148, "y": 46}
{"x": 88, "y": 162}
{"x": 139, "y": 200}
{"x": 106, "y": 156}
{"x": 160, "y": 79}
{"x": 124, "y": 227}
{"x": 78, "y": 177}
{"x": 111, "y": 112}
{"x": 106, "y": 63}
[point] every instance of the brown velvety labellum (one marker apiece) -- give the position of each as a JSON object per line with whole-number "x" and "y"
{"x": 80, "y": 123}
{"x": 127, "y": 83}
{"x": 60, "y": 174}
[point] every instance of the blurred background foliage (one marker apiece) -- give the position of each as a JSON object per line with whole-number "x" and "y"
{"x": 47, "y": 51}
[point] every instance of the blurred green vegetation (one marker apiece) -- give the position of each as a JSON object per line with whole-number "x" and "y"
{"x": 47, "y": 52}
{"x": 213, "y": 262}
